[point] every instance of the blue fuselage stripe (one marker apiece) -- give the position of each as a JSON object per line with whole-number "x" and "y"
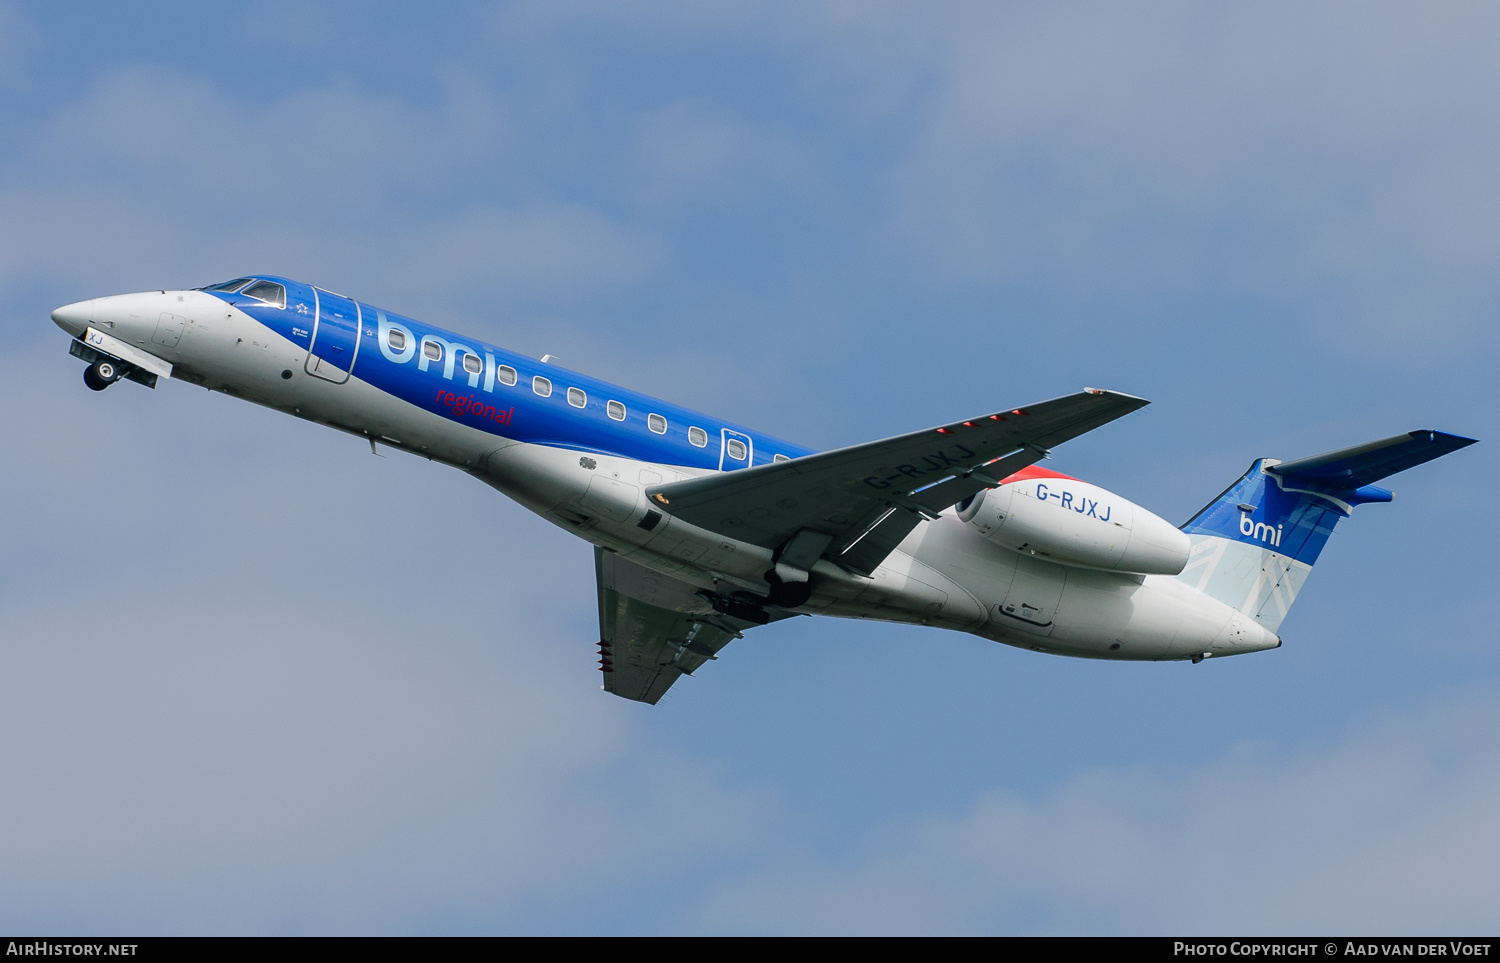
{"x": 452, "y": 387}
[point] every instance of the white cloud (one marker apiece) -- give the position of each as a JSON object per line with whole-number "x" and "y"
{"x": 539, "y": 247}
{"x": 255, "y": 680}
{"x": 1289, "y": 152}
{"x": 1390, "y": 831}
{"x": 153, "y": 176}
{"x": 685, "y": 152}
{"x": 1330, "y": 160}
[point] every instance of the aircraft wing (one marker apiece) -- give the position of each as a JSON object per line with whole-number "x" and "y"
{"x": 855, "y": 505}
{"x": 654, "y": 628}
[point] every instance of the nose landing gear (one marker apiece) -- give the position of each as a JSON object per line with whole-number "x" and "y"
{"x": 101, "y": 374}
{"x": 105, "y": 369}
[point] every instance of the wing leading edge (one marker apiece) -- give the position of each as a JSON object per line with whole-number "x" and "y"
{"x": 854, "y": 505}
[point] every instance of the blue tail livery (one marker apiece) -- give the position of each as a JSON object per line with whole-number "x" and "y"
{"x": 1254, "y": 545}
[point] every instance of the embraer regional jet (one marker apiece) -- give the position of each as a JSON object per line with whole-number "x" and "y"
{"x": 704, "y": 530}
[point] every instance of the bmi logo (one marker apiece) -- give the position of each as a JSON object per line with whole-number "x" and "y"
{"x": 1260, "y": 531}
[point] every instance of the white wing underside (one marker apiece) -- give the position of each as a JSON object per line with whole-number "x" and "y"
{"x": 653, "y": 628}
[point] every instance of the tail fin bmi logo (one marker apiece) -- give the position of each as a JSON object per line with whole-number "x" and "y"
{"x": 1260, "y": 531}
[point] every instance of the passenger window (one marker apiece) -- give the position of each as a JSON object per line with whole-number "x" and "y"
{"x": 616, "y": 410}
{"x": 657, "y": 424}
{"x": 541, "y": 386}
{"x": 267, "y": 291}
{"x": 736, "y": 449}
{"x": 396, "y": 339}
{"x": 505, "y": 374}
{"x": 697, "y": 437}
{"x": 779, "y": 458}
{"x": 432, "y": 351}
{"x": 472, "y": 364}
{"x": 577, "y": 398}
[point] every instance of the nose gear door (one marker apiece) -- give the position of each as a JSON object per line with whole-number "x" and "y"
{"x": 335, "y": 340}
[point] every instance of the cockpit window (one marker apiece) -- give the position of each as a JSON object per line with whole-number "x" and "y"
{"x": 267, "y": 291}
{"x": 228, "y": 285}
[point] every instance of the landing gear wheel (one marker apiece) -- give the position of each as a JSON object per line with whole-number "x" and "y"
{"x": 788, "y": 595}
{"x": 101, "y": 374}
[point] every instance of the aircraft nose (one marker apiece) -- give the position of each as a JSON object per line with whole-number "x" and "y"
{"x": 74, "y": 318}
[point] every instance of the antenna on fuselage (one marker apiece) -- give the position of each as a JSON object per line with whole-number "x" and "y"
{"x": 548, "y": 359}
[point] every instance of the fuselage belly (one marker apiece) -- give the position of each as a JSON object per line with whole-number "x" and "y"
{"x": 481, "y": 409}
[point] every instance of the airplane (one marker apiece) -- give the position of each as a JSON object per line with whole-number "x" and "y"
{"x": 704, "y": 530}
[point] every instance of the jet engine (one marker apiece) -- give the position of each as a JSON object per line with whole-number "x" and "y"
{"x": 1065, "y": 520}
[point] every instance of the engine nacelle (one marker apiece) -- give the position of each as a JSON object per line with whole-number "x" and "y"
{"x": 1075, "y": 523}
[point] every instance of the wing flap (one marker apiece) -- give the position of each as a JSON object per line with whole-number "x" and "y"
{"x": 959, "y": 487}
{"x": 872, "y": 547}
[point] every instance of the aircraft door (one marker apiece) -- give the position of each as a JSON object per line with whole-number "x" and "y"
{"x": 169, "y": 329}
{"x": 335, "y": 339}
{"x": 735, "y": 451}
{"x": 1032, "y": 600}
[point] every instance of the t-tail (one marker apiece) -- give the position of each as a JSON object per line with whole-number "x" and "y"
{"x": 1253, "y": 546}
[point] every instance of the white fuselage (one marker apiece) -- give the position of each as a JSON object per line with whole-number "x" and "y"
{"x": 945, "y": 573}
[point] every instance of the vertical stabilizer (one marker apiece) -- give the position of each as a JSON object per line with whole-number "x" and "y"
{"x": 1253, "y": 546}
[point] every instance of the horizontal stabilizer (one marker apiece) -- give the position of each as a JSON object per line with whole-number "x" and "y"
{"x": 1351, "y": 468}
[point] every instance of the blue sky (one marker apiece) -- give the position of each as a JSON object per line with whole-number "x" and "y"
{"x": 225, "y": 707}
